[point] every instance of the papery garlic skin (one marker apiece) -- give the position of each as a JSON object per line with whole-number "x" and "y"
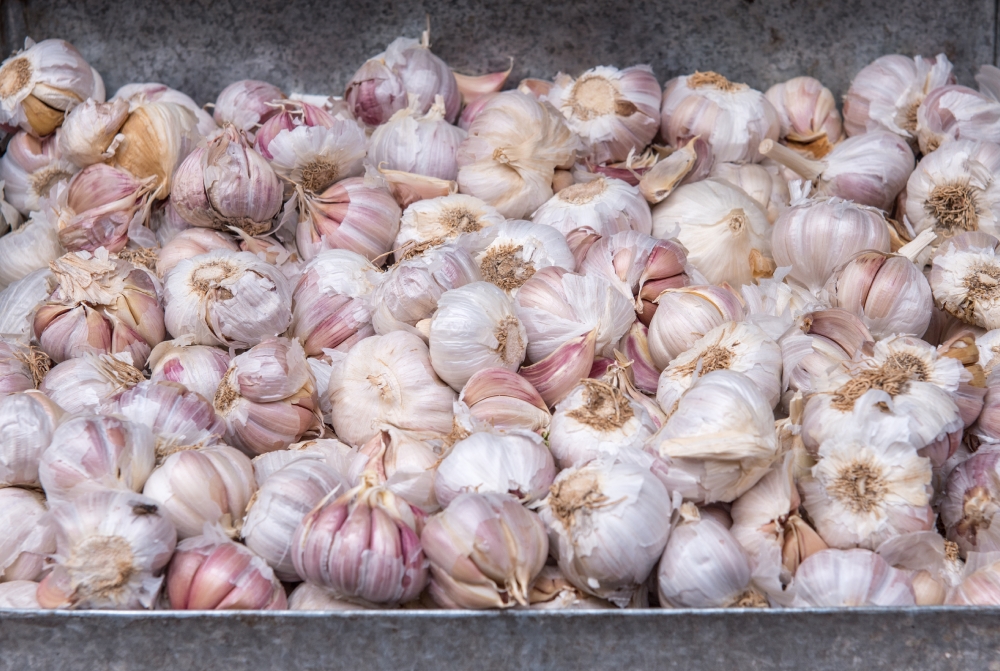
{"x": 931, "y": 561}
{"x": 423, "y": 144}
{"x": 964, "y": 280}
{"x": 824, "y": 341}
{"x": 484, "y": 551}
{"x": 19, "y": 595}
{"x": 726, "y": 233}
{"x": 683, "y": 315}
{"x": 351, "y": 214}
{"x": 955, "y": 112}
{"x": 27, "y": 422}
{"x": 26, "y": 539}
{"x": 19, "y": 300}
{"x": 733, "y": 118}
{"x": 110, "y": 549}
{"x": 22, "y": 367}
{"x": 232, "y": 299}
{"x": 82, "y": 384}
{"x": 764, "y": 183}
{"x": 839, "y": 578}
{"x": 606, "y": 205}
{"x": 31, "y": 169}
{"x": 246, "y": 104}
{"x": 808, "y": 113}
{"x": 307, "y": 596}
{"x": 31, "y": 247}
{"x": 158, "y": 136}
{"x": 178, "y": 418}
{"x": 138, "y": 93}
{"x": 389, "y": 379}
{"x": 970, "y": 505}
{"x": 200, "y": 368}
{"x": 443, "y": 219}
{"x": 89, "y": 132}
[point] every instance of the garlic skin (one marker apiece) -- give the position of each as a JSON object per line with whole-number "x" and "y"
{"x": 683, "y": 315}
{"x": 504, "y": 400}
{"x": 423, "y": 144}
{"x": 190, "y": 243}
{"x": 551, "y": 591}
{"x": 19, "y": 595}
{"x": 608, "y": 524}
{"x": 313, "y": 157}
{"x": 19, "y": 300}
{"x": 956, "y": 112}
{"x": 508, "y": 254}
{"x": 89, "y": 132}
{"x": 389, "y": 379}
{"x": 736, "y": 346}
{"x": 199, "y": 368}
{"x": 31, "y": 169}
{"x": 969, "y": 503}
{"x": 484, "y": 551}
{"x": 331, "y": 304}
{"x": 96, "y": 451}
{"x": 808, "y": 114}
{"x": 438, "y": 220}
{"x": 475, "y": 327}
{"x": 268, "y": 397}
{"x": 41, "y": 82}
{"x": 231, "y": 299}
{"x": 886, "y": 93}
{"x": 931, "y": 561}
{"x": 111, "y": 547}
{"x": 82, "y": 384}
{"x": 722, "y": 455}
{"x": 514, "y": 462}
{"x": 838, "y": 578}
{"x": 978, "y": 585}
{"x": 31, "y": 247}
{"x": 22, "y": 367}
{"x": 963, "y": 278}
{"x": 26, "y": 539}
{"x": 227, "y": 184}
{"x": 158, "y": 136}
{"x": 764, "y": 183}
{"x": 731, "y": 117}
{"x": 725, "y": 232}
{"x": 816, "y": 237}
{"x": 211, "y": 572}
{"x": 103, "y": 206}
{"x": 282, "y": 500}
{"x": 246, "y": 104}
{"x": 824, "y": 341}
{"x": 597, "y": 421}
{"x": 27, "y": 422}
{"x": 605, "y": 205}
{"x": 307, "y": 596}
{"x": 511, "y": 153}
{"x": 138, "y": 93}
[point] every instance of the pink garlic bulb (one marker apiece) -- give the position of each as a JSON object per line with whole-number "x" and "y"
{"x": 246, "y": 104}
{"x": 808, "y": 112}
{"x": 103, "y": 204}
{"x": 200, "y": 368}
{"x": 422, "y": 144}
{"x": 350, "y": 215}
{"x": 31, "y": 168}
{"x": 190, "y": 243}
{"x": 971, "y": 502}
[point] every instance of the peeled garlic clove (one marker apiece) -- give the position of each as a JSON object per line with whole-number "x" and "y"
{"x": 684, "y": 315}
{"x": 605, "y": 205}
{"x": 19, "y": 300}
{"x": 808, "y": 112}
{"x": 424, "y": 144}
{"x": 31, "y": 168}
{"x": 200, "y": 368}
{"x": 962, "y": 278}
{"x": 484, "y": 551}
{"x": 26, "y": 539}
{"x": 508, "y": 254}
{"x": 31, "y": 247}
{"x": 158, "y": 136}
{"x": 110, "y": 549}
{"x": 764, "y": 184}
{"x": 246, "y": 104}
{"x": 27, "y": 422}
{"x": 955, "y": 112}
{"x": 82, "y": 384}
{"x": 19, "y": 595}
{"x": 505, "y": 400}
{"x": 838, "y": 578}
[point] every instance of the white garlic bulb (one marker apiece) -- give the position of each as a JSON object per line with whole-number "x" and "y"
{"x": 111, "y": 547}
{"x": 314, "y": 157}
{"x": 956, "y": 112}
{"x": 808, "y": 112}
{"x": 433, "y": 221}
{"x": 389, "y": 379}
{"x": 31, "y": 169}
{"x": 136, "y": 93}
{"x": 508, "y": 254}
{"x": 424, "y": 144}
{"x": 247, "y": 104}
{"x": 969, "y": 503}
{"x": 684, "y": 315}
{"x": 764, "y": 183}
{"x": 725, "y": 231}
{"x": 198, "y": 367}
{"x": 19, "y": 300}
{"x": 26, "y": 539}
{"x": 232, "y": 299}
{"x": 29, "y": 248}
{"x": 605, "y": 205}
{"x": 82, "y": 384}
{"x": 89, "y": 133}
{"x": 27, "y": 422}
{"x": 964, "y": 276}
{"x": 838, "y": 578}
{"x": 475, "y": 327}
{"x": 406, "y": 460}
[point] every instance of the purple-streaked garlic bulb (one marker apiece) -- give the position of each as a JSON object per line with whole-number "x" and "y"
{"x": 200, "y": 368}
{"x": 247, "y": 104}
{"x": 103, "y": 205}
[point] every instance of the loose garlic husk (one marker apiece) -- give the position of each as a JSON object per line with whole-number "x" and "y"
{"x": 605, "y": 205}
{"x": 886, "y": 93}
{"x": 504, "y": 400}
{"x": 100, "y": 305}
{"x": 31, "y": 169}
{"x": 209, "y": 485}
{"x": 955, "y": 112}
{"x": 511, "y": 153}
{"x": 438, "y": 220}
{"x": 83, "y": 383}
{"x": 268, "y": 397}
{"x": 111, "y": 547}
{"x": 484, "y": 551}
{"x": 19, "y": 300}
{"x": 158, "y": 136}
{"x": 684, "y": 315}
{"x": 29, "y": 248}
{"x": 190, "y": 243}
{"x": 232, "y": 299}
{"x": 89, "y": 133}
{"x": 726, "y": 233}
{"x": 200, "y": 368}
{"x": 331, "y": 304}
{"x": 597, "y": 421}
{"x": 42, "y": 82}
{"x": 808, "y": 112}
{"x": 824, "y": 341}
{"x": 211, "y": 572}
{"x": 314, "y": 156}
{"x": 964, "y": 276}
{"x": 514, "y": 462}
{"x": 138, "y": 93}
{"x": 970, "y": 503}
{"x": 733, "y": 118}
{"x": 422, "y": 144}
{"x": 475, "y": 327}
{"x": 931, "y": 561}
{"x": 103, "y": 206}
{"x": 838, "y": 578}
{"x": 27, "y": 422}
{"x": 614, "y": 111}
{"x": 26, "y": 539}
{"x": 736, "y": 346}
{"x": 608, "y": 524}
{"x": 389, "y": 378}
{"x": 247, "y": 104}
{"x": 508, "y": 254}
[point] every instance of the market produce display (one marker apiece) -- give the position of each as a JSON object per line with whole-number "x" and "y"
{"x": 582, "y": 343}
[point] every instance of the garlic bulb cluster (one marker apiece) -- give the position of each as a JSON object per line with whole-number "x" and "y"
{"x": 808, "y": 114}
{"x": 421, "y": 144}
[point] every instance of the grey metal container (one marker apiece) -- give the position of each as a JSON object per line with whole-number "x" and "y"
{"x": 314, "y": 46}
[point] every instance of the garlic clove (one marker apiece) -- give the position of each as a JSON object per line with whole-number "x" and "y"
{"x": 246, "y": 104}
{"x": 556, "y": 375}
{"x": 808, "y": 112}
{"x": 684, "y": 315}
{"x": 634, "y": 345}
{"x": 27, "y": 540}
{"x": 686, "y": 164}
{"x": 474, "y": 87}
{"x": 505, "y": 400}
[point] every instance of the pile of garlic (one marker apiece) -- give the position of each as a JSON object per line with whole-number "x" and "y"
{"x": 587, "y": 343}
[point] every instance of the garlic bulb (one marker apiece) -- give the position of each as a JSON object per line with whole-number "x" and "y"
{"x": 282, "y": 500}
{"x": 137, "y": 94}
{"x": 888, "y": 293}
{"x": 189, "y": 243}
{"x": 515, "y": 462}
{"x": 200, "y": 368}
{"x": 247, "y": 104}
{"x": 484, "y": 551}
{"x": 684, "y": 315}
{"x": 158, "y": 136}
{"x": 733, "y": 118}
{"x": 90, "y": 452}
{"x": 405, "y": 462}
{"x": 406, "y": 68}
{"x": 956, "y": 112}
{"x": 211, "y": 572}
{"x": 31, "y": 169}
{"x": 596, "y": 420}
{"x": 605, "y": 205}
{"x": 931, "y": 561}
{"x": 307, "y": 596}
{"x": 736, "y": 346}
{"x": 89, "y": 133}
{"x": 504, "y": 400}
{"x": 82, "y": 384}
{"x": 634, "y": 346}
{"x": 970, "y": 503}
{"x": 314, "y": 156}
{"x": 475, "y": 327}
{"x": 209, "y": 485}
{"x": 268, "y": 397}
{"x": 808, "y": 113}
{"x": 41, "y": 82}
{"x": 886, "y": 93}
{"x": 100, "y": 304}
{"x": 389, "y": 379}
{"x": 27, "y": 422}
{"x": 227, "y": 184}
{"x": 26, "y": 539}
{"x": 232, "y": 299}
{"x": 111, "y": 547}
{"x": 19, "y": 300}
{"x": 19, "y": 595}
{"x": 978, "y": 586}
{"x": 104, "y": 205}
{"x": 179, "y": 419}
{"x": 838, "y": 578}
{"x": 964, "y": 278}
{"x": 22, "y": 367}
{"x": 289, "y": 115}
{"x": 508, "y": 254}
{"x": 823, "y": 341}
{"x": 725, "y": 232}
{"x": 423, "y": 144}
{"x": 510, "y": 156}
{"x": 351, "y": 214}
{"x": 438, "y": 220}
{"x": 608, "y": 524}
{"x": 614, "y": 111}
{"x": 764, "y": 183}
{"x": 29, "y": 248}
{"x": 817, "y": 236}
